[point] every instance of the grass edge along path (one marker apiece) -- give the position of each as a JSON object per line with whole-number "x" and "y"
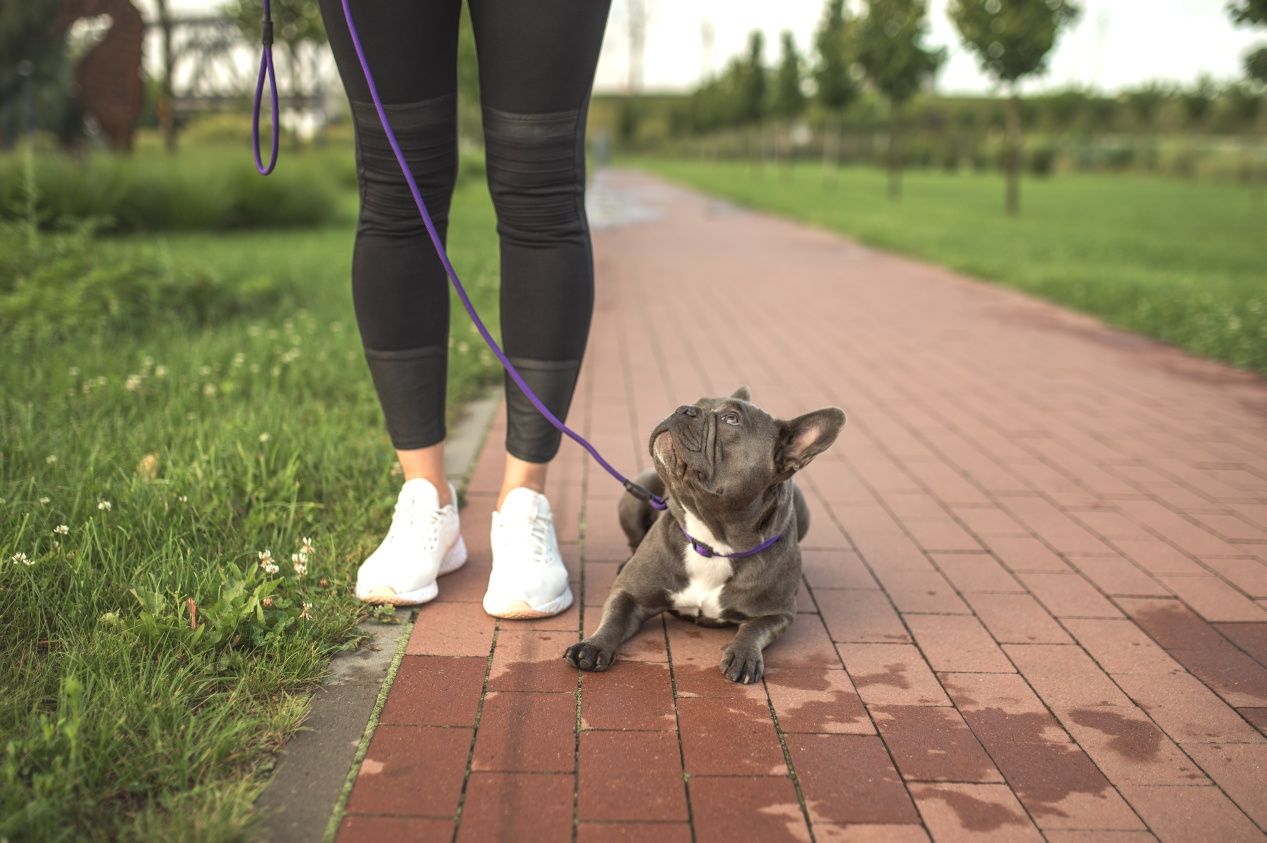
{"x": 1179, "y": 261}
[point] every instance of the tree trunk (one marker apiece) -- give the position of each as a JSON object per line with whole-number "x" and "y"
{"x": 895, "y": 150}
{"x": 166, "y": 117}
{"x": 1013, "y": 201}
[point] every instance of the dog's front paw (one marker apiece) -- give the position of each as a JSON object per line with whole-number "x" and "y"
{"x": 742, "y": 664}
{"x": 589, "y": 656}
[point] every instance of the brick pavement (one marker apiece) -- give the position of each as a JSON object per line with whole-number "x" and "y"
{"x": 1036, "y": 577}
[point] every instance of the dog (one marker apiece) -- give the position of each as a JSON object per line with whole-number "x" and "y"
{"x": 726, "y": 551}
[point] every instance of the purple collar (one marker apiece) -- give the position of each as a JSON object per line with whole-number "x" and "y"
{"x": 706, "y": 551}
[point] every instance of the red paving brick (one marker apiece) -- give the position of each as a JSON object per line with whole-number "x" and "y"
{"x": 1037, "y": 562}
{"x": 758, "y": 808}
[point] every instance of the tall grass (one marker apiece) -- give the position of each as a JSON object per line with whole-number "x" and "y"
{"x": 208, "y": 188}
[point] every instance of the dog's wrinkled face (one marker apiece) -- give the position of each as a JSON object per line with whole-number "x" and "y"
{"x": 722, "y": 454}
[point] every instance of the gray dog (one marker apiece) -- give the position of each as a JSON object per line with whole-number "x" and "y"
{"x": 726, "y": 550}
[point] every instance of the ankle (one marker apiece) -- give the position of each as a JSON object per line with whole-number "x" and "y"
{"x": 441, "y": 486}
{"x": 539, "y": 488}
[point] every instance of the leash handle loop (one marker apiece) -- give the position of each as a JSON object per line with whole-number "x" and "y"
{"x": 266, "y": 73}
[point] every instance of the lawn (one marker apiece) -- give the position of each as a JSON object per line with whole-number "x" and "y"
{"x": 1182, "y": 261}
{"x": 151, "y": 663}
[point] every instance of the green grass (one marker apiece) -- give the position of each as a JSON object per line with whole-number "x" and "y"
{"x": 173, "y": 455}
{"x": 1182, "y": 261}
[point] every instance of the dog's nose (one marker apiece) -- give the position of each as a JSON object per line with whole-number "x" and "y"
{"x": 688, "y": 410}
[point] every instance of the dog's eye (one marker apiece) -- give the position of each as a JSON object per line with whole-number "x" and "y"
{"x": 730, "y": 418}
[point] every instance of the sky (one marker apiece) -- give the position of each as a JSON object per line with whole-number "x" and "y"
{"x": 1115, "y": 44}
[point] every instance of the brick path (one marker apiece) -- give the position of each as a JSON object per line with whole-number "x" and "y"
{"x": 1036, "y": 588}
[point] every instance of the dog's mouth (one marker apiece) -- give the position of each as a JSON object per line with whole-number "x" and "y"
{"x": 663, "y": 448}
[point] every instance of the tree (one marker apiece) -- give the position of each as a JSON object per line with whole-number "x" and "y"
{"x": 834, "y": 84}
{"x": 892, "y": 55}
{"x": 34, "y": 70}
{"x": 1012, "y": 39}
{"x": 1198, "y": 100}
{"x": 1144, "y": 103}
{"x": 752, "y": 90}
{"x": 834, "y": 87}
{"x": 787, "y": 99}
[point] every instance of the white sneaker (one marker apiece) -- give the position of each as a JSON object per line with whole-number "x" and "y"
{"x": 423, "y": 542}
{"x": 528, "y": 579}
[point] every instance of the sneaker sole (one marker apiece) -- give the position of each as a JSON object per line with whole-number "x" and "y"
{"x": 518, "y": 610}
{"x": 453, "y": 559}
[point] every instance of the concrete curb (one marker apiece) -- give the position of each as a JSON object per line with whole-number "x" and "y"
{"x": 312, "y": 769}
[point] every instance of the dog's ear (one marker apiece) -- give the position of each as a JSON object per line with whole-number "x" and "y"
{"x": 805, "y": 437}
{"x": 742, "y": 394}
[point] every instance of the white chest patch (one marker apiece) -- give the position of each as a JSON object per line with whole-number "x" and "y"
{"x": 707, "y": 574}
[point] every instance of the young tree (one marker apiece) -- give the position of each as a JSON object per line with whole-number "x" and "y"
{"x": 753, "y": 84}
{"x": 1012, "y": 39}
{"x": 787, "y": 98}
{"x": 834, "y": 85}
{"x": 892, "y": 55}
{"x": 1198, "y": 100}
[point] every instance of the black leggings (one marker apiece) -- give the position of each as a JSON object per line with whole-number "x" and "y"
{"x": 536, "y": 70}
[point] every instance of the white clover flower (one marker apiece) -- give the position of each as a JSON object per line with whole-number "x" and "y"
{"x": 50, "y": 459}
{"x": 204, "y": 370}
{"x": 306, "y": 614}
{"x": 264, "y": 437}
{"x": 21, "y": 559}
{"x": 133, "y": 383}
{"x": 101, "y": 380}
{"x": 160, "y": 371}
{"x": 61, "y": 530}
{"x": 290, "y": 356}
{"x": 209, "y": 389}
{"x": 239, "y": 359}
{"x": 73, "y": 371}
{"x": 306, "y": 547}
{"x": 300, "y": 563}
{"x": 43, "y": 499}
{"x": 267, "y": 563}
{"x": 104, "y": 505}
{"x": 147, "y": 362}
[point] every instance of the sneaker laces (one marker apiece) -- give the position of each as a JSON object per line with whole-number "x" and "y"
{"x": 406, "y": 515}
{"x": 538, "y": 535}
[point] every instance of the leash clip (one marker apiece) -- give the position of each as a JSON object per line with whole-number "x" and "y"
{"x": 642, "y": 494}
{"x": 266, "y": 32}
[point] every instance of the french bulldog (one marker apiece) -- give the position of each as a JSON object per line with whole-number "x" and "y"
{"x": 725, "y": 466}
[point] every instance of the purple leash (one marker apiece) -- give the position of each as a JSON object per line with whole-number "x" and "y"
{"x": 266, "y": 70}
{"x": 656, "y": 501}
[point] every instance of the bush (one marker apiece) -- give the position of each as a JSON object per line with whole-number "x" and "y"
{"x": 1041, "y": 160}
{"x": 199, "y": 189}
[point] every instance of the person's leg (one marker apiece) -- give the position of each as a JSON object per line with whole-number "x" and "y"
{"x": 536, "y": 62}
{"x": 399, "y": 288}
